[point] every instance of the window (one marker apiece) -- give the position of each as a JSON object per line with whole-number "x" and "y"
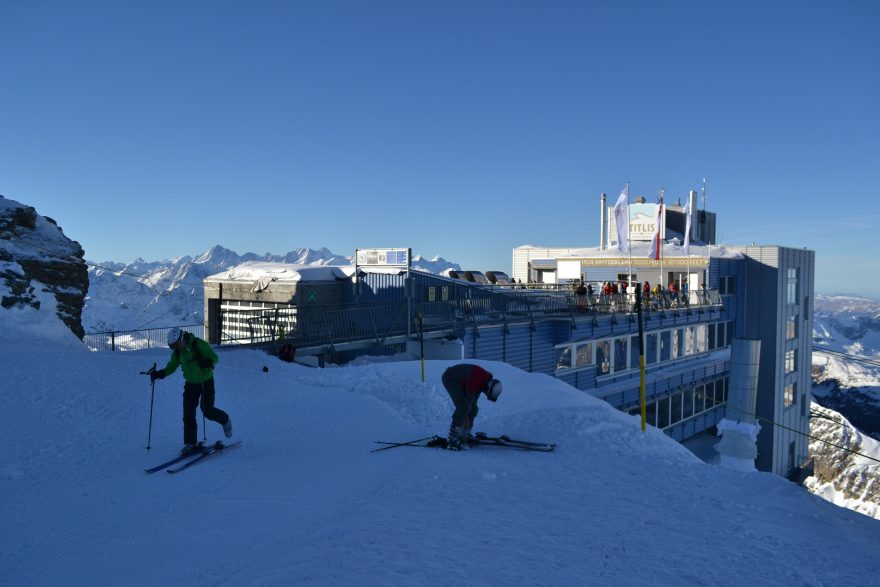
{"x": 663, "y": 413}
{"x": 727, "y": 285}
{"x": 620, "y": 356}
{"x": 584, "y": 355}
{"x": 791, "y": 327}
{"x": 710, "y": 394}
{"x": 790, "y": 361}
{"x": 687, "y": 406}
{"x": 729, "y": 333}
{"x": 712, "y": 339}
{"x": 603, "y": 356}
{"x": 690, "y": 343}
{"x": 791, "y": 286}
{"x": 650, "y": 349}
{"x": 701, "y": 340}
{"x": 676, "y": 408}
{"x": 563, "y": 357}
{"x": 677, "y": 343}
{"x": 665, "y": 345}
{"x": 789, "y": 396}
{"x": 634, "y": 352}
{"x": 699, "y": 398}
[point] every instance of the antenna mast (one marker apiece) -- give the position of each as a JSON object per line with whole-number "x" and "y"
{"x": 704, "y": 193}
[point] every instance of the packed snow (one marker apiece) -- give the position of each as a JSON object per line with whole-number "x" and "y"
{"x": 305, "y": 501}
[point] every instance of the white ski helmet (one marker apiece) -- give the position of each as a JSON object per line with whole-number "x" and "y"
{"x": 174, "y": 335}
{"x": 493, "y": 390}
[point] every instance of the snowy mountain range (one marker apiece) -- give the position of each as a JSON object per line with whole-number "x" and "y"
{"x": 847, "y": 324}
{"x": 148, "y": 294}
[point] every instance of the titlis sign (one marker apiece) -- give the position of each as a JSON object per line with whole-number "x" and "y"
{"x": 642, "y": 219}
{"x": 383, "y": 257}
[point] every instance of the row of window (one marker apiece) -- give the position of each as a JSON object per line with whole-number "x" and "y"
{"x": 685, "y": 404}
{"x": 621, "y": 353}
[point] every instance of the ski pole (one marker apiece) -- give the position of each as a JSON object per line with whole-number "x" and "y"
{"x": 152, "y": 395}
{"x": 204, "y": 426}
{"x": 396, "y": 444}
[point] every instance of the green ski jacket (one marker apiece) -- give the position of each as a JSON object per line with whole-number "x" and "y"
{"x": 187, "y": 358}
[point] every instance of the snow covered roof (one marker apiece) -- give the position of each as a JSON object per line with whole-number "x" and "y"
{"x": 263, "y": 272}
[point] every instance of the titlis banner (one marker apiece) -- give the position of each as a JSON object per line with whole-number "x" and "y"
{"x": 642, "y": 218}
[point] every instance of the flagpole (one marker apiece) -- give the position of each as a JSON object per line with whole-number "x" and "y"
{"x": 708, "y": 244}
{"x": 628, "y": 241}
{"x": 687, "y": 237}
{"x": 660, "y": 240}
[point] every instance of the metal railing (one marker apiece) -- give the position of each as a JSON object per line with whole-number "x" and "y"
{"x": 314, "y": 325}
{"x": 133, "y": 340}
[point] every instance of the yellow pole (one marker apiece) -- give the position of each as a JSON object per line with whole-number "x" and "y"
{"x": 422, "y": 344}
{"x": 641, "y": 358}
{"x": 642, "y": 391}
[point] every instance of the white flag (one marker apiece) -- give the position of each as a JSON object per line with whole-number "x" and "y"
{"x": 621, "y": 219}
{"x": 656, "y": 241}
{"x": 687, "y": 227}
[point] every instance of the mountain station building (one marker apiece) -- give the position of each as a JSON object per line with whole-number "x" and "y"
{"x": 728, "y": 349}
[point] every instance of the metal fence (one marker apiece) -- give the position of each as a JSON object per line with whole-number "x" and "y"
{"x": 133, "y": 340}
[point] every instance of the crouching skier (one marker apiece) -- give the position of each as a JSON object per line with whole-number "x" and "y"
{"x": 464, "y": 383}
{"x": 197, "y": 359}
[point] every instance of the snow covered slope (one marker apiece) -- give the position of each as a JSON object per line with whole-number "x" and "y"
{"x": 304, "y": 501}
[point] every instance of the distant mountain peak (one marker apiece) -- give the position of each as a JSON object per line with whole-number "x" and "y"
{"x": 125, "y": 298}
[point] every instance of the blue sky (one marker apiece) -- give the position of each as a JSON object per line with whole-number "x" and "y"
{"x": 461, "y": 129}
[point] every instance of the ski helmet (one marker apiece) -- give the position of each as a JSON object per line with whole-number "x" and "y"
{"x": 493, "y": 390}
{"x": 174, "y": 335}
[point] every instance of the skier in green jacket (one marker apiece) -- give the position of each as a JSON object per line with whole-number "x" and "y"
{"x": 196, "y": 359}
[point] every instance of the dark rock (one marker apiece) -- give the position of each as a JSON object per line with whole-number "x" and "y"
{"x": 34, "y": 253}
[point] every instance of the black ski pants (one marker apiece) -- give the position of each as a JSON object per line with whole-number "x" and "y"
{"x": 465, "y": 403}
{"x": 193, "y": 393}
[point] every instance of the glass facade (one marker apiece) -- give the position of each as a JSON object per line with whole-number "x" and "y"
{"x": 621, "y": 353}
{"x": 689, "y": 402}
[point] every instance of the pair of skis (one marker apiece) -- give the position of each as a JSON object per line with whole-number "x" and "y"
{"x": 189, "y": 459}
{"x": 480, "y": 439}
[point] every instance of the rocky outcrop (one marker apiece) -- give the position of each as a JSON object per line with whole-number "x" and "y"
{"x": 844, "y": 470}
{"x": 37, "y": 260}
